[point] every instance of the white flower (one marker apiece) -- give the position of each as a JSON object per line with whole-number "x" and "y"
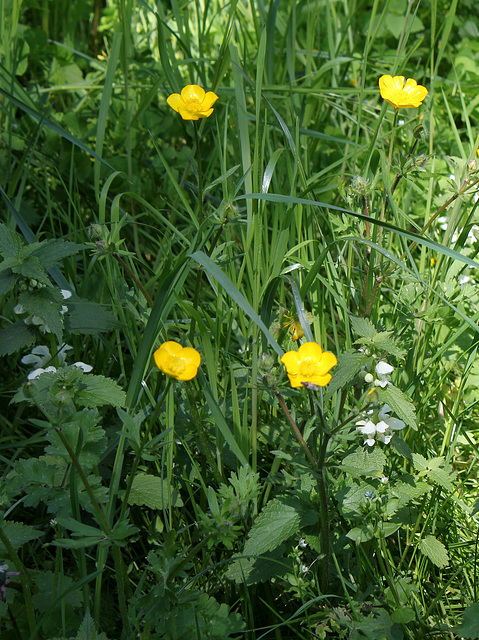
{"x": 86, "y": 368}
{"x": 368, "y": 378}
{"x": 38, "y": 356}
{"x": 66, "y": 294}
{"x": 18, "y": 309}
{"x": 383, "y": 369}
{"x": 382, "y": 430}
{"x": 38, "y": 372}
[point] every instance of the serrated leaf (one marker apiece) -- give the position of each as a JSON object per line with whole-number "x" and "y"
{"x": 46, "y": 304}
{"x": 49, "y": 252}
{"x": 384, "y": 342}
{"x": 279, "y": 521}
{"x": 365, "y": 462}
{"x": 153, "y": 492}
{"x": 11, "y": 242}
{"x": 435, "y": 551}
{"x": 18, "y": 534}
{"x": 349, "y": 364}
{"x": 7, "y": 281}
{"x": 87, "y": 630}
{"x": 30, "y": 268}
{"x": 469, "y": 628}
{"x": 400, "y": 404}
{"x": 363, "y": 327}
{"x": 89, "y": 318}
{"x": 254, "y": 570}
{"x": 15, "y": 337}
{"x": 97, "y": 391}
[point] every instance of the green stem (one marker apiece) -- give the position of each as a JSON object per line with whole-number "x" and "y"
{"x": 296, "y": 430}
{"x": 201, "y": 432}
{"x": 102, "y": 520}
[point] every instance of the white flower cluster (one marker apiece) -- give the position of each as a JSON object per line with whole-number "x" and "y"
{"x": 40, "y": 355}
{"x": 380, "y": 428}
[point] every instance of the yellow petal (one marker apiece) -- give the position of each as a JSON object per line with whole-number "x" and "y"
{"x": 193, "y": 92}
{"x": 175, "y": 101}
{"x": 328, "y": 361}
{"x": 208, "y": 101}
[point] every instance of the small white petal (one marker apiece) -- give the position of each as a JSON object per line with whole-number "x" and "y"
{"x": 383, "y": 368}
{"x": 85, "y": 367}
{"x": 66, "y": 294}
{"x": 382, "y": 427}
{"x": 368, "y": 378}
{"x": 18, "y": 309}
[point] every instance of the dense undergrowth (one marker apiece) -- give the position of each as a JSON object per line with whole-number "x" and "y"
{"x": 304, "y": 209}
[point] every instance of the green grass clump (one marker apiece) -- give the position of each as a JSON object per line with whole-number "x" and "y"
{"x": 304, "y": 209}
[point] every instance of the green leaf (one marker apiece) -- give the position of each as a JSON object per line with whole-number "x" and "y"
{"x": 469, "y": 628}
{"x": 363, "y": 327}
{"x": 400, "y": 404}
{"x": 360, "y": 534}
{"x": 11, "y": 243}
{"x": 349, "y": 365}
{"x": 96, "y": 391}
{"x": 7, "y": 281}
{"x": 46, "y": 304}
{"x": 15, "y": 337}
{"x": 87, "y": 630}
{"x": 368, "y": 462}
{"x": 435, "y": 551}
{"x": 436, "y": 469}
{"x": 153, "y": 492}
{"x": 280, "y": 520}
{"x": 49, "y": 252}
{"x": 403, "y": 615}
{"x": 30, "y": 267}
{"x": 18, "y": 534}
{"x": 89, "y": 318}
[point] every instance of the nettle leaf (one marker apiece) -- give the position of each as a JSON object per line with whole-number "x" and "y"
{"x": 435, "y": 551}
{"x": 436, "y": 469}
{"x": 383, "y": 342}
{"x": 153, "y": 492}
{"x": 368, "y": 462}
{"x": 280, "y": 520}
{"x": 270, "y": 565}
{"x": 96, "y": 391}
{"x": 469, "y": 628}
{"x": 7, "y": 280}
{"x": 349, "y": 365}
{"x": 11, "y": 243}
{"x": 400, "y": 404}
{"x": 409, "y": 491}
{"x": 49, "y": 252}
{"x": 363, "y": 327}
{"x": 46, "y": 304}
{"x": 31, "y": 268}
{"x": 89, "y": 318}
{"x": 18, "y": 534}
{"x": 15, "y": 337}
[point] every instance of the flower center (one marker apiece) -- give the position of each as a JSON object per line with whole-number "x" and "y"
{"x": 193, "y": 104}
{"x": 307, "y": 370}
{"x": 177, "y": 365}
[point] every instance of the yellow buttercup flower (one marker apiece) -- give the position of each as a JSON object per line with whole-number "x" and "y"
{"x": 402, "y": 93}
{"x": 309, "y": 365}
{"x": 176, "y": 361}
{"x": 193, "y": 102}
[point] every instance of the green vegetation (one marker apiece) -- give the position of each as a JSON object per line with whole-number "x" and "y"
{"x": 238, "y": 502}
